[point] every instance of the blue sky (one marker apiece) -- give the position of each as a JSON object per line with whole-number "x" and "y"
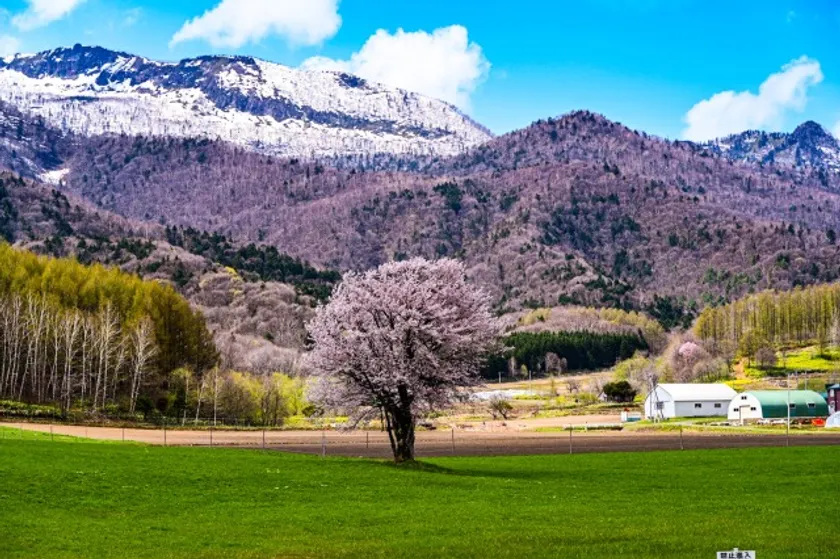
{"x": 650, "y": 64}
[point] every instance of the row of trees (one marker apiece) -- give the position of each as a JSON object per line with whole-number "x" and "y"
{"x": 92, "y": 336}
{"x": 558, "y": 352}
{"x": 230, "y": 397}
{"x": 793, "y": 318}
{"x": 49, "y": 354}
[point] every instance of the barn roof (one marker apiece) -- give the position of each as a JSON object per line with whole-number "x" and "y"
{"x": 774, "y": 403}
{"x": 698, "y": 392}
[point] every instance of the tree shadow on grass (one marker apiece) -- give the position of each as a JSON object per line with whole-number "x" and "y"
{"x": 429, "y": 468}
{"x": 418, "y": 466}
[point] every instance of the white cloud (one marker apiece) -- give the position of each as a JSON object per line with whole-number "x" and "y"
{"x": 8, "y": 45}
{"x": 443, "y": 64}
{"x": 233, "y": 23}
{"x": 730, "y": 112}
{"x": 132, "y": 16}
{"x": 43, "y": 12}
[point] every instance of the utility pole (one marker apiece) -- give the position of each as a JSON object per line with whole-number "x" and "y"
{"x": 787, "y": 429}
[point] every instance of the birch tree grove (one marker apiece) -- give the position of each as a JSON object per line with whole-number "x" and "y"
{"x": 792, "y": 318}
{"x": 89, "y": 337}
{"x": 400, "y": 341}
{"x": 58, "y": 365}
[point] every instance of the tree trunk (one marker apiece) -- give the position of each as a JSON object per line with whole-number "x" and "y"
{"x": 400, "y": 422}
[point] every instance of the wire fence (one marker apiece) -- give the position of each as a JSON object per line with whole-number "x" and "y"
{"x": 449, "y": 442}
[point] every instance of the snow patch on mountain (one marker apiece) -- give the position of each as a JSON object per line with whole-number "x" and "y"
{"x": 253, "y": 103}
{"x": 54, "y": 177}
{"x": 810, "y": 146}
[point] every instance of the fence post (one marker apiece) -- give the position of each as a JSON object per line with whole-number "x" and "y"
{"x": 367, "y": 440}
{"x": 51, "y": 432}
{"x": 453, "y": 439}
{"x": 263, "y": 437}
{"x": 123, "y": 433}
{"x": 164, "y": 431}
{"x": 211, "y": 434}
{"x": 570, "y": 439}
{"x": 323, "y": 443}
{"x": 682, "y": 446}
{"x": 787, "y": 429}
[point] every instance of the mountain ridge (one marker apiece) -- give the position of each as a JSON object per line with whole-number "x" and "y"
{"x": 264, "y": 106}
{"x": 809, "y": 146}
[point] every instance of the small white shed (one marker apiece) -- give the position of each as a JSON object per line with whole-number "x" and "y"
{"x": 688, "y": 400}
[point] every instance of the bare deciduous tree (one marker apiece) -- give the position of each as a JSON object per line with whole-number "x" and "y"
{"x": 766, "y": 357}
{"x": 143, "y": 351}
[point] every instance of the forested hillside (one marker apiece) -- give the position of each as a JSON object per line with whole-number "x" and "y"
{"x": 776, "y": 319}
{"x": 574, "y": 210}
{"x": 70, "y": 332}
{"x": 27, "y": 145}
{"x": 258, "y": 321}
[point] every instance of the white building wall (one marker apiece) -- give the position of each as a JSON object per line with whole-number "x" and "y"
{"x": 744, "y": 407}
{"x": 706, "y": 409}
{"x": 672, "y": 408}
{"x": 664, "y": 398}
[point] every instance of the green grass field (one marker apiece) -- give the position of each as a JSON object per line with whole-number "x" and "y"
{"x": 808, "y": 359}
{"x": 10, "y": 434}
{"x": 64, "y": 499}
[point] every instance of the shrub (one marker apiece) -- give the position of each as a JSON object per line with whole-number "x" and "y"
{"x": 621, "y": 391}
{"x": 500, "y": 407}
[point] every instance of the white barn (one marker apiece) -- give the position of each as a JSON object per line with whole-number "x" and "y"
{"x": 688, "y": 400}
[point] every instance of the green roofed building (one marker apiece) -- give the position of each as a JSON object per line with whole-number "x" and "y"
{"x": 773, "y": 404}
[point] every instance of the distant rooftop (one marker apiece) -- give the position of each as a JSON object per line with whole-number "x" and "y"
{"x": 698, "y": 392}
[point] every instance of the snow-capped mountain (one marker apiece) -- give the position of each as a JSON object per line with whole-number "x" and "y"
{"x": 250, "y": 102}
{"x": 809, "y": 146}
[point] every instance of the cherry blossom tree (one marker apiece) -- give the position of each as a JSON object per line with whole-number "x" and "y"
{"x": 400, "y": 341}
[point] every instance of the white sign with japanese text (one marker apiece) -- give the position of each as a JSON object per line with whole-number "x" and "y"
{"x": 735, "y": 554}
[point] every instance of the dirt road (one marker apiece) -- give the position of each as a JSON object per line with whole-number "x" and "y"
{"x": 374, "y": 444}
